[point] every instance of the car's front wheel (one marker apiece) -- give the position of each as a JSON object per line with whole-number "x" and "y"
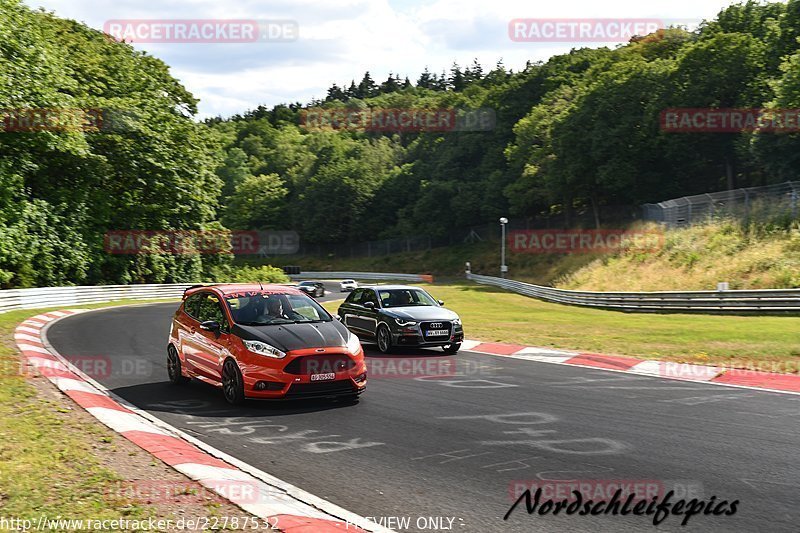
{"x": 232, "y": 382}
{"x": 176, "y": 377}
{"x": 452, "y": 349}
{"x": 384, "y": 338}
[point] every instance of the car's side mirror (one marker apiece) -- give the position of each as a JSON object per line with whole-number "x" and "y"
{"x": 210, "y": 325}
{"x": 369, "y": 305}
{"x": 441, "y": 302}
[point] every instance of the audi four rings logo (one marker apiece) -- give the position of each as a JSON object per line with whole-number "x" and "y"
{"x": 436, "y": 325}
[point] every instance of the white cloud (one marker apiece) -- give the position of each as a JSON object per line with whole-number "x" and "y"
{"x": 340, "y": 39}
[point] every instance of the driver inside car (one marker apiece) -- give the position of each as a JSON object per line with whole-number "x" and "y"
{"x": 275, "y": 310}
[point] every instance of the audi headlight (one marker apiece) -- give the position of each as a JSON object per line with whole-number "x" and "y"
{"x": 402, "y": 323}
{"x": 262, "y": 348}
{"x": 353, "y": 344}
{"x": 457, "y": 322}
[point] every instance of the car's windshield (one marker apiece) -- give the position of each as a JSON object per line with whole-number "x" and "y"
{"x": 305, "y": 283}
{"x": 405, "y": 298}
{"x": 262, "y": 308}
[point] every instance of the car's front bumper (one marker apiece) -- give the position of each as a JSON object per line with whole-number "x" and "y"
{"x": 416, "y": 339}
{"x": 267, "y": 382}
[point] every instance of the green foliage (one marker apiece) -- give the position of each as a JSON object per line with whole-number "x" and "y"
{"x": 263, "y": 274}
{"x": 151, "y": 168}
{"x": 573, "y": 135}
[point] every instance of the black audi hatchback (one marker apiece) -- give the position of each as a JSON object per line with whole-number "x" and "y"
{"x": 399, "y": 315}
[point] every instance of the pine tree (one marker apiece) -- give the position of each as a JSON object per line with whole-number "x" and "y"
{"x": 335, "y": 93}
{"x": 390, "y": 85}
{"x": 426, "y": 80}
{"x": 366, "y": 88}
{"x": 457, "y": 80}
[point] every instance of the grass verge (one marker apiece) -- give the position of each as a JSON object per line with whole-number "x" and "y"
{"x": 57, "y": 461}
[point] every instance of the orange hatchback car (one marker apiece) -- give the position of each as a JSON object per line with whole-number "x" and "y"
{"x": 264, "y": 342}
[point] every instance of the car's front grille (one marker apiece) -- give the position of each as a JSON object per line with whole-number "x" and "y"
{"x": 332, "y": 388}
{"x": 443, "y": 325}
{"x": 319, "y": 364}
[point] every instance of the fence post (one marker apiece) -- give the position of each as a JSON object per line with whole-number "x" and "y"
{"x": 746, "y": 205}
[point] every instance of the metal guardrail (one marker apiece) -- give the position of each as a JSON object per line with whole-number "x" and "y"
{"x": 759, "y": 302}
{"x": 43, "y": 297}
{"x": 12, "y": 299}
{"x": 364, "y": 275}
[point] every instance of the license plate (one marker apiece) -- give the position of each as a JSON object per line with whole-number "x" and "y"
{"x": 323, "y": 377}
{"x": 437, "y": 332}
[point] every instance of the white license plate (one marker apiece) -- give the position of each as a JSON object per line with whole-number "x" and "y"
{"x": 437, "y": 332}
{"x": 323, "y": 377}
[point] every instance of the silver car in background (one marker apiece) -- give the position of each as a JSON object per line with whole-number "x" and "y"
{"x": 347, "y": 285}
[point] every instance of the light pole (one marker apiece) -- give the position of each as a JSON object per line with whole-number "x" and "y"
{"x": 503, "y": 267}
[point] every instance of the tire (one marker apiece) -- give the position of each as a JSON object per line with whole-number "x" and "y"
{"x": 232, "y": 383}
{"x": 174, "y": 371}
{"x": 383, "y": 337}
{"x": 451, "y": 349}
{"x": 320, "y": 293}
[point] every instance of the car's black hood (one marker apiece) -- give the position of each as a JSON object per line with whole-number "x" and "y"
{"x": 288, "y": 337}
{"x": 420, "y": 312}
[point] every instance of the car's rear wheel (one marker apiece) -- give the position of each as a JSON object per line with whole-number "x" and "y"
{"x": 452, "y": 349}
{"x": 384, "y": 338}
{"x": 232, "y": 382}
{"x": 176, "y": 377}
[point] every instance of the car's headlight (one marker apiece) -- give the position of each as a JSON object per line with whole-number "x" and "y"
{"x": 402, "y": 323}
{"x": 353, "y": 344}
{"x": 457, "y": 322}
{"x": 262, "y": 348}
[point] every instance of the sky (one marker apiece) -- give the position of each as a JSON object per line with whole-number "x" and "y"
{"x": 338, "y": 40}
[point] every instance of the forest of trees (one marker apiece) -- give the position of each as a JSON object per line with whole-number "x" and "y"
{"x": 573, "y": 134}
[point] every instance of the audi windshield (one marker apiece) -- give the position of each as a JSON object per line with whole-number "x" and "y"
{"x": 406, "y": 298}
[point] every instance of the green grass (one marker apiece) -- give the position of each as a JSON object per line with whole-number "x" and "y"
{"x": 493, "y": 315}
{"x": 49, "y": 460}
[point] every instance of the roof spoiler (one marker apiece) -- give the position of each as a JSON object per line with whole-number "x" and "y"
{"x": 192, "y": 287}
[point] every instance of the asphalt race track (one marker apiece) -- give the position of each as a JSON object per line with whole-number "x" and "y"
{"x": 453, "y": 444}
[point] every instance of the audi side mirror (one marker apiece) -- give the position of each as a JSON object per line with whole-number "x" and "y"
{"x": 441, "y": 302}
{"x": 369, "y": 305}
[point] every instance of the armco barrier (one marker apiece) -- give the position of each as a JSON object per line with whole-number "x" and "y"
{"x": 59, "y": 296}
{"x": 43, "y": 297}
{"x": 755, "y": 302}
{"x": 365, "y": 275}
